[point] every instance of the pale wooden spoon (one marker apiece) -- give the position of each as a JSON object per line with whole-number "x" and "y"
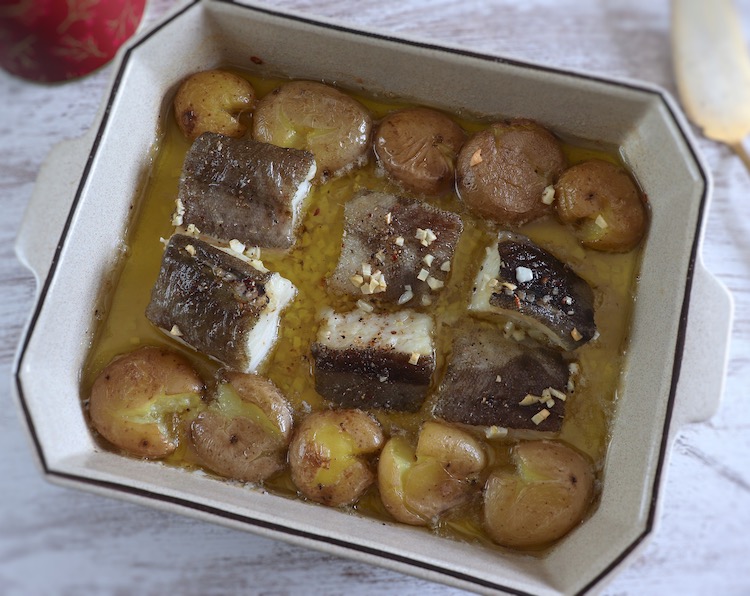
{"x": 712, "y": 68}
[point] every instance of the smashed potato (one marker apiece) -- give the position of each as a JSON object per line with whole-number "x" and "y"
{"x": 502, "y": 171}
{"x": 603, "y": 206}
{"x": 245, "y": 431}
{"x": 417, "y": 148}
{"x": 328, "y": 455}
{"x": 137, "y": 399}
{"x": 334, "y": 127}
{"x": 542, "y": 499}
{"x": 417, "y": 485}
{"x": 212, "y": 101}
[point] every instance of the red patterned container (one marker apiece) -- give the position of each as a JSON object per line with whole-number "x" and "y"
{"x": 56, "y": 40}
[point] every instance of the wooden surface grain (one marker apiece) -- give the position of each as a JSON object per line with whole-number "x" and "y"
{"x": 59, "y": 541}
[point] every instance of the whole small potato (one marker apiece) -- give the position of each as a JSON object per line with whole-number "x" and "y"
{"x": 319, "y": 118}
{"x": 245, "y": 431}
{"x": 328, "y": 455}
{"x": 603, "y": 205}
{"x": 212, "y": 101}
{"x": 540, "y": 501}
{"x": 418, "y": 485}
{"x": 137, "y": 399}
{"x": 502, "y": 171}
{"x": 417, "y": 148}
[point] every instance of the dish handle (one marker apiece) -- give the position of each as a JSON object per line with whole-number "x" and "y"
{"x": 706, "y": 350}
{"x": 50, "y": 206}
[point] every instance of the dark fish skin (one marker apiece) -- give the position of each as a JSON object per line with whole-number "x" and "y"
{"x": 471, "y": 394}
{"x": 351, "y": 378}
{"x": 243, "y": 189}
{"x": 545, "y": 297}
{"x": 370, "y": 238}
{"x": 214, "y": 299}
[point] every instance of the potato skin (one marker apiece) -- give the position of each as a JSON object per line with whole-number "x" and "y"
{"x": 211, "y": 101}
{"x": 542, "y": 500}
{"x": 503, "y": 170}
{"x": 593, "y": 188}
{"x": 418, "y": 148}
{"x": 327, "y": 456}
{"x": 129, "y": 387}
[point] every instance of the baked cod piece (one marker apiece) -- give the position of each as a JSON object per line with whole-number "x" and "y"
{"x": 529, "y": 286}
{"x": 395, "y": 249}
{"x": 219, "y": 303}
{"x": 497, "y": 382}
{"x": 243, "y": 189}
{"x": 374, "y": 361}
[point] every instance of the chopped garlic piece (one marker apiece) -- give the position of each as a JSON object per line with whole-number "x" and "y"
{"x": 498, "y": 379}
{"x": 524, "y": 274}
{"x": 414, "y": 358}
{"x": 388, "y": 217}
{"x": 366, "y": 269}
{"x": 237, "y": 246}
{"x": 423, "y": 275}
{"x": 399, "y": 241}
{"x": 529, "y": 400}
{"x": 576, "y": 335}
{"x": 192, "y": 230}
{"x": 495, "y": 432}
{"x": 540, "y": 416}
{"x": 428, "y": 259}
{"x": 550, "y": 403}
{"x": 175, "y": 330}
{"x": 600, "y": 221}
{"x": 258, "y": 265}
{"x": 548, "y": 196}
{"x": 435, "y": 284}
{"x": 177, "y": 218}
{"x": 557, "y": 393}
{"x": 365, "y": 306}
{"x": 357, "y": 280}
{"x": 190, "y": 249}
{"x": 405, "y": 297}
{"x": 446, "y": 266}
{"x": 426, "y": 237}
{"x": 426, "y": 300}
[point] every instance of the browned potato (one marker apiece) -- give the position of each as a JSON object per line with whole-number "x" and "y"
{"x": 137, "y": 400}
{"x": 542, "y": 499}
{"x": 416, "y": 486}
{"x": 328, "y": 453}
{"x": 417, "y": 148}
{"x": 503, "y": 170}
{"x": 212, "y": 101}
{"x": 323, "y": 120}
{"x": 602, "y": 204}
{"x": 245, "y": 431}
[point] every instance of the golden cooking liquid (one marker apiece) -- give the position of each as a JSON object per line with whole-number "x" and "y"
{"x": 123, "y": 326}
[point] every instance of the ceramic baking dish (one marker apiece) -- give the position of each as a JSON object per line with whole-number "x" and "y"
{"x": 678, "y": 344}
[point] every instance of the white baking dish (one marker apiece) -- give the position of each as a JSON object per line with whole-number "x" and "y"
{"x": 678, "y": 343}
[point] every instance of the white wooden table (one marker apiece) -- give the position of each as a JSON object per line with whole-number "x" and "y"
{"x": 57, "y": 541}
